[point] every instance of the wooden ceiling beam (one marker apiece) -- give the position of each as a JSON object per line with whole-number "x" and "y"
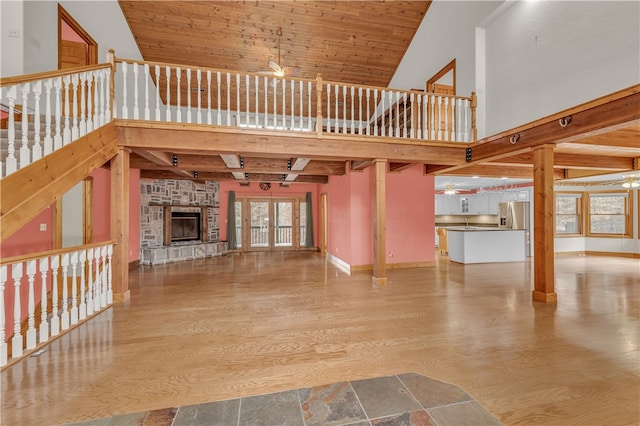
{"x": 359, "y": 165}
{"x": 227, "y": 176}
{"x": 605, "y": 114}
{"x": 524, "y": 171}
{"x": 574, "y": 161}
{"x": 398, "y": 167}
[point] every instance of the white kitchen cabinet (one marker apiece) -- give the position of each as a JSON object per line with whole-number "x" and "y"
{"x": 448, "y": 204}
{"x": 479, "y": 203}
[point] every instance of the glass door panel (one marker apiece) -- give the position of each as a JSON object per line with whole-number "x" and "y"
{"x": 259, "y": 218}
{"x": 239, "y": 224}
{"x": 283, "y": 224}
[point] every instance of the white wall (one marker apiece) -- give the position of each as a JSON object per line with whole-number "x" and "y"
{"x": 546, "y": 56}
{"x": 103, "y": 20}
{"x": 11, "y": 25}
{"x": 447, "y": 32}
{"x": 72, "y": 223}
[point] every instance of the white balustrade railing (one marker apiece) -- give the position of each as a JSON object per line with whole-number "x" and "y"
{"x": 70, "y": 285}
{"x": 164, "y": 92}
{"x": 46, "y": 112}
{"x": 185, "y": 94}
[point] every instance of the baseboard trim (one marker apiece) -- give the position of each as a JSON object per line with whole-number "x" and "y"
{"x": 344, "y": 266}
{"x": 406, "y": 265}
{"x": 598, "y": 253}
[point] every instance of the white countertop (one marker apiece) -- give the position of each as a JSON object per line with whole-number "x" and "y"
{"x": 477, "y": 228}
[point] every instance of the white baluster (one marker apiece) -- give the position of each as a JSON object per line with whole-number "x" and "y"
{"x": 328, "y": 108}
{"x": 101, "y": 101}
{"x": 256, "y": 82}
{"x": 109, "y": 275}
{"x": 125, "y": 106}
{"x": 344, "y": 109}
{"x": 31, "y": 306}
{"x": 66, "y": 131}
{"x": 397, "y": 132}
{"x": 188, "y": 95}
{"x": 98, "y": 281}
{"x": 375, "y": 112}
{"x": 219, "y": 116}
{"x": 179, "y": 94}
{"x": 352, "y": 110}
{"x": 284, "y": 97}
{"x": 74, "y": 287}
{"x": 25, "y": 154}
{"x": 74, "y": 105}
{"x": 368, "y": 96}
{"x": 12, "y": 161}
{"x": 57, "y": 138}
{"x": 106, "y": 98}
{"x": 419, "y": 116}
{"x": 82, "y": 257}
{"x": 103, "y": 288}
{"x": 432, "y": 122}
{"x": 44, "y": 324}
{"x": 383, "y": 112}
{"x": 301, "y": 88}
{"x": 275, "y": 101}
{"x": 237, "y": 99}
{"x": 90, "y": 101}
{"x": 228, "y": 99}
{"x": 404, "y": 115}
{"x": 293, "y": 89}
{"x": 466, "y": 116}
{"x": 446, "y": 118}
{"x": 359, "y": 110}
{"x": 247, "y": 85}
{"x": 16, "y": 341}
{"x": 453, "y": 119}
{"x": 90, "y": 281}
{"x": 168, "y": 74}
{"x": 64, "y": 314}
{"x": 209, "y": 97}
{"x": 199, "y": 78}
{"x": 136, "y": 108}
{"x": 48, "y": 141}
{"x": 3, "y": 343}
{"x": 412, "y": 97}
{"x": 37, "y": 147}
{"x": 83, "y": 103}
{"x": 266, "y": 99}
{"x": 309, "y": 105}
{"x": 96, "y": 99}
{"x": 55, "y": 317}
{"x": 336, "y": 92}
{"x": 157, "y": 69}
{"x": 439, "y": 120}
{"x": 147, "y": 112}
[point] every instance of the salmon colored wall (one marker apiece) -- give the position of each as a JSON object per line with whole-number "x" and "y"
{"x": 338, "y": 192}
{"x": 294, "y": 190}
{"x": 69, "y": 34}
{"x": 410, "y": 217}
{"x": 29, "y": 239}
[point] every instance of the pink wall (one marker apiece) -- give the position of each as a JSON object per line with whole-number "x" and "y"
{"x": 410, "y": 220}
{"x": 276, "y": 191}
{"x": 29, "y": 239}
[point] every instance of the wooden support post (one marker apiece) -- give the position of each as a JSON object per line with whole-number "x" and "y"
{"x": 543, "y": 232}
{"x": 120, "y": 223}
{"x": 379, "y": 223}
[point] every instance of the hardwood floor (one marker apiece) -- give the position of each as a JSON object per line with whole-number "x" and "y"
{"x": 251, "y": 324}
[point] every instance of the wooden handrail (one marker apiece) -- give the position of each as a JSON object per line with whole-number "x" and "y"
{"x": 390, "y": 89}
{"x": 21, "y": 258}
{"x": 21, "y": 79}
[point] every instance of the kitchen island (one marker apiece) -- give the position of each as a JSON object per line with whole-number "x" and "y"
{"x": 470, "y": 244}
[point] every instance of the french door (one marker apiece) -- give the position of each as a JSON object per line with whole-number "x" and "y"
{"x": 269, "y": 223}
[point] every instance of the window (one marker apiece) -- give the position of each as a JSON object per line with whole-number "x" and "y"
{"x": 568, "y": 213}
{"x": 609, "y": 214}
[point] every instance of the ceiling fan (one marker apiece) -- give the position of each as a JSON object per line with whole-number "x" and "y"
{"x": 276, "y": 68}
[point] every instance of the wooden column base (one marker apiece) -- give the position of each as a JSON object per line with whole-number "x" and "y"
{"x": 382, "y": 281}
{"x": 544, "y": 297}
{"x": 122, "y": 297}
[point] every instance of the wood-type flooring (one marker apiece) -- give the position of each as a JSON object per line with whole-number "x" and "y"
{"x": 242, "y": 325}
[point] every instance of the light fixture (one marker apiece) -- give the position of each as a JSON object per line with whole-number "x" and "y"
{"x": 450, "y": 190}
{"x": 630, "y": 183}
{"x": 475, "y": 177}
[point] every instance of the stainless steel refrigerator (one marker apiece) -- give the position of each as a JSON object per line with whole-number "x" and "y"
{"x": 515, "y": 215}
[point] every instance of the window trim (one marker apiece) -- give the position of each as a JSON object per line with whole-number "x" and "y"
{"x": 580, "y": 197}
{"x": 628, "y": 214}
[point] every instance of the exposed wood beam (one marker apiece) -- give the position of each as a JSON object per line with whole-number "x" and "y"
{"x": 574, "y": 161}
{"x": 608, "y": 114}
{"x": 398, "y": 167}
{"x": 227, "y": 176}
{"x": 358, "y": 166}
{"x": 156, "y": 157}
{"x": 28, "y": 191}
{"x": 246, "y": 142}
{"x": 524, "y": 171}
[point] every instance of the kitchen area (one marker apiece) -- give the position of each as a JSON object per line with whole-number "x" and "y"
{"x": 484, "y": 226}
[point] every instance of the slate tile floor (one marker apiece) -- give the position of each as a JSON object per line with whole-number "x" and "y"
{"x": 406, "y": 399}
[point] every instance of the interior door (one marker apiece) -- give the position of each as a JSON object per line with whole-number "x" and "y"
{"x": 73, "y": 54}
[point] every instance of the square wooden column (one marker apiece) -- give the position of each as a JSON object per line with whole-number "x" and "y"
{"x": 543, "y": 232}
{"x": 379, "y": 223}
{"x": 120, "y": 223}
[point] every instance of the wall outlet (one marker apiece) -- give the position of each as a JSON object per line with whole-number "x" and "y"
{"x": 43, "y": 227}
{"x": 14, "y": 33}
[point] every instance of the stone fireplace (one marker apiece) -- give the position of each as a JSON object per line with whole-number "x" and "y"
{"x": 179, "y": 220}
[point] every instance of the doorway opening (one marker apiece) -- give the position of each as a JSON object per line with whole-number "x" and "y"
{"x": 76, "y": 48}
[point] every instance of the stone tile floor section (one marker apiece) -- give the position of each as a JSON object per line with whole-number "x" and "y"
{"x": 406, "y": 399}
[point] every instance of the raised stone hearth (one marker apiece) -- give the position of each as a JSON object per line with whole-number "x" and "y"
{"x": 181, "y": 251}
